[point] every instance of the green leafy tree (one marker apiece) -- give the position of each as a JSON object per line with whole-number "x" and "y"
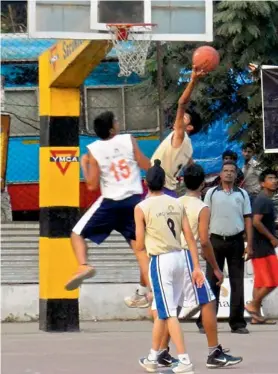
{"x": 13, "y": 16}
{"x": 244, "y": 32}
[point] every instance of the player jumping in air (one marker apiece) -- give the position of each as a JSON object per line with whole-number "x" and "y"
{"x": 113, "y": 163}
{"x": 174, "y": 152}
{"x": 160, "y": 219}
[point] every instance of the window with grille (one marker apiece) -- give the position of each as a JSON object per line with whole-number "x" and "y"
{"x": 134, "y": 112}
{"x": 22, "y": 104}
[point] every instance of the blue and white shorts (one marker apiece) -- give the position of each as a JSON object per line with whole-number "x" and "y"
{"x": 192, "y": 295}
{"x": 106, "y": 215}
{"x": 167, "y": 274}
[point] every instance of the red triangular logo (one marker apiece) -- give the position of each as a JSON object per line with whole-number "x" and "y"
{"x": 57, "y": 157}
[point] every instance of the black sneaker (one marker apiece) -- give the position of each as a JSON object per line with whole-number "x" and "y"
{"x": 165, "y": 359}
{"x": 220, "y": 359}
{"x": 240, "y": 330}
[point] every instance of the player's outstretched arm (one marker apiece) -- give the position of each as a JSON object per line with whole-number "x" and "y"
{"x": 91, "y": 172}
{"x": 139, "y": 245}
{"x": 191, "y": 242}
{"x": 140, "y": 228}
{"x": 197, "y": 274}
{"x": 143, "y": 161}
{"x": 179, "y": 127}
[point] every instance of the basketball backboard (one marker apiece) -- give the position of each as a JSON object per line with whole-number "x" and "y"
{"x": 77, "y": 19}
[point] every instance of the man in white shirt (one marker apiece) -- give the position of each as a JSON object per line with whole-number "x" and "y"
{"x": 230, "y": 219}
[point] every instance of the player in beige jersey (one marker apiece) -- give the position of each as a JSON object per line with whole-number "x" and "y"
{"x": 198, "y": 215}
{"x": 160, "y": 220}
{"x": 174, "y": 152}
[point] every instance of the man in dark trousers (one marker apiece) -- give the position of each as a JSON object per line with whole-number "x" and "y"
{"x": 264, "y": 259}
{"x": 230, "y": 217}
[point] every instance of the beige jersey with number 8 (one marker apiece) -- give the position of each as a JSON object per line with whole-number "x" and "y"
{"x": 163, "y": 216}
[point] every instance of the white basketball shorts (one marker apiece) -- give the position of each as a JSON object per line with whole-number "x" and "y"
{"x": 166, "y": 272}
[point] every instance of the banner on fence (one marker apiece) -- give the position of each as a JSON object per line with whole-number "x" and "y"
{"x": 269, "y": 82}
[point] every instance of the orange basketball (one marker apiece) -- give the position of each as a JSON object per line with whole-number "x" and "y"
{"x": 206, "y": 58}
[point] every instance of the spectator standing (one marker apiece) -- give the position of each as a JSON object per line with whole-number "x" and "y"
{"x": 251, "y": 171}
{"x": 265, "y": 262}
{"x": 230, "y": 155}
{"x": 230, "y": 217}
{"x": 227, "y": 155}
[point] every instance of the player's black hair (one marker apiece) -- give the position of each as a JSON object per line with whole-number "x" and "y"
{"x": 193, "y": 176}
{"x": 155, "y": 177}
{"x": 248, "y": 145}
{"x": 103, "y": 124}
{"x": 196, "y": 121}
{"x": 230, "y": 153}
{"x": 229, "y": 163}
{"x": 267, "y": 172}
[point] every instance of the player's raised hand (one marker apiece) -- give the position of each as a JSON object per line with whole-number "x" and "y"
{"x": 198, "y": 277}
{"x": 197, "y": 73}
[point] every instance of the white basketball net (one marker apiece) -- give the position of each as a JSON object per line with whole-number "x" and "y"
{"x": 132, "y": 53}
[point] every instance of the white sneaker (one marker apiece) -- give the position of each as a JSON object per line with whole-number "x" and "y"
{"x": 137, "y": 301}
{"x": 181, "y": 368}
{"x": 148, "y": 365}
{"x": 187, "y": 312}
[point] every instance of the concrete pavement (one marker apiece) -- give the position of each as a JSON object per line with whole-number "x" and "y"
{"x": 114, "y": 347}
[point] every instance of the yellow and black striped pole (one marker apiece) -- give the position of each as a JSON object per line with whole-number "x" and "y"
{"x": 62, "y": 69}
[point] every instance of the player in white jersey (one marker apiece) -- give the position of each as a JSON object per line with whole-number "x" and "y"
{"x": 174, "y": 152}
{"x": 113, "y": 163}
{"x": 160, "y": 220}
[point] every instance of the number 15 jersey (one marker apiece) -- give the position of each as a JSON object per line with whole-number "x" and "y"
{"x": 163, "y": 217}
{"x": 120, "y": 175}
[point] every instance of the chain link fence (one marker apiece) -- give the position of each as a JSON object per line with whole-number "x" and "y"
{"x": 102, "y": 90}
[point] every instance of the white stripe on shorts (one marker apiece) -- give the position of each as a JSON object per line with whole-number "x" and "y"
{"x": 192, "y": 294}
{"x": 87, "y": 216}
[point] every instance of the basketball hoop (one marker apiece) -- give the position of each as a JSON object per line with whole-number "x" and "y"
{"x": 131, "y": 42}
